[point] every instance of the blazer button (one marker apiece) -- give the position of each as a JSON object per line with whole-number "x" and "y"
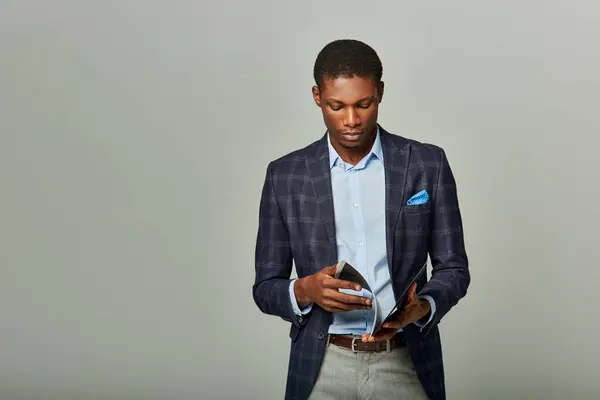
{"x": 321, "y": 335}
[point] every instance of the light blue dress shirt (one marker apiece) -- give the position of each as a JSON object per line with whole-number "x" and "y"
{"x": 359, "y": 208}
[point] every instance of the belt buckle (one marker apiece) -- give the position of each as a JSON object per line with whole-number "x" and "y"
{"x": 388, "y": 346}
{"x": 354, "y": 346}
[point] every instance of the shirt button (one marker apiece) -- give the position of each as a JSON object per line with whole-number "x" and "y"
{"x": 356, "y": 205}
{"x": 360, "y": 243}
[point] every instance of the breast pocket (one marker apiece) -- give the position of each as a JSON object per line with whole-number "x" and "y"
{"x": 415, "y": 219}
{"x": 417, "y": 209}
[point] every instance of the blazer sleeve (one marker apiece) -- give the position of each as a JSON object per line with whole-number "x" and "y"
{"x": 450, "y": 275}
{"x": 273, "y": 258}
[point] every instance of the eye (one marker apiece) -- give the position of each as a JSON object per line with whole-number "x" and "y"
{"x": 336, "y": 108}
{"x": 364, "y": 105}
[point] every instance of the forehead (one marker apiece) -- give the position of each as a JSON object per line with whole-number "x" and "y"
{"x": 348, "y": 89}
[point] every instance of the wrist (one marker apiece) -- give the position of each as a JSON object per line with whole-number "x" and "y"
{"x": 426, "y": 307}
{"x": 300, "y": 293}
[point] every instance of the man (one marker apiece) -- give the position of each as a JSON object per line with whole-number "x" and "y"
{"x": 381, "y": 202}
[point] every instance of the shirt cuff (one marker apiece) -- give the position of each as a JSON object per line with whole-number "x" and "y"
{"x": 295, "y": 306}
{"x": 421, "y": 323}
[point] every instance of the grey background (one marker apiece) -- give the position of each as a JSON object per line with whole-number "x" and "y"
{"x": 134, "y": 139}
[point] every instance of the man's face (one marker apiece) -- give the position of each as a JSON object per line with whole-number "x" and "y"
{"x": 350, "y": 107}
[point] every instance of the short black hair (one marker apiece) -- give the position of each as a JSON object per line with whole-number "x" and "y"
{"x": 346, "y": 58}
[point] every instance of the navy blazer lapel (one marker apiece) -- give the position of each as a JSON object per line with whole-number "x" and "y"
{"x": 320, "y": 177}
{"x": 395, "y": 161}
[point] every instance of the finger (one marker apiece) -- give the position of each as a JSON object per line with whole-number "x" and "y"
{"x": 346, "y": 298}
{"x": 333, "y": 309}
{"x": 395, "y": 325}
{"x": 329, "y": 270}
{"x": 343, "y": 306}
{"x": 384, "y": 334}
{"x": 341, "y": 284}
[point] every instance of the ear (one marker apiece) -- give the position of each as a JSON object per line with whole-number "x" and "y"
{"x": 316, "y": 95}
{"x": 380, "y": 88}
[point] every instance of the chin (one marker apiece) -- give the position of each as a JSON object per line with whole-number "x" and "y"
{"x": 352, "y": 144}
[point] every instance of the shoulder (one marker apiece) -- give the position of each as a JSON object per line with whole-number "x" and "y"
{"x": 419, "y": 151}
{"x": 296, "y": 159}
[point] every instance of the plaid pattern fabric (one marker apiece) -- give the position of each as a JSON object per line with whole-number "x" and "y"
{"x": 296, "y": 223}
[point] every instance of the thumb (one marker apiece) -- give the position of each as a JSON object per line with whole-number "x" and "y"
{"x": 412, "y": 292}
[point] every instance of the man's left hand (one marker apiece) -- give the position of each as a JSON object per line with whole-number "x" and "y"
{"x": 414, "y": 309}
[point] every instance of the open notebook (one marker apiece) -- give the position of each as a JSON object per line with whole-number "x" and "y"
{"x": 347, "y": 272}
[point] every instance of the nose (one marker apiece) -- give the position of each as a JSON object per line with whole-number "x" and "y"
{"x": 351, "y": 118}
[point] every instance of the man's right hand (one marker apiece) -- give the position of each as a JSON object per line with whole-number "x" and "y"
{"x": 322, "y": 288}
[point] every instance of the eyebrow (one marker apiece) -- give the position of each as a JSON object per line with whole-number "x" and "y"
{"x": 370, "y": 98}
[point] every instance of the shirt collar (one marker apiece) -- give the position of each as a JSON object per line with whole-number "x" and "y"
{"x": 376, "y": 150}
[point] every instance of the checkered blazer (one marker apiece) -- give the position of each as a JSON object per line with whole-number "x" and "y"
{"x": 296, "y": 223}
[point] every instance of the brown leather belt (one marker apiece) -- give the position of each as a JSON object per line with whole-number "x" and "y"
{"x": 357, "y": 345}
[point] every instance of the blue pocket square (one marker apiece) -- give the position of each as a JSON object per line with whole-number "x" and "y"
{"x": 420, "y": 198}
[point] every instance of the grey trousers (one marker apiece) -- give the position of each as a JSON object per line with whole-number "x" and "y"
{"x": 348, "y": 375}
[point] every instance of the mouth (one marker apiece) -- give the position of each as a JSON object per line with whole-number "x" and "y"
{"x": 351, "y": 135}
